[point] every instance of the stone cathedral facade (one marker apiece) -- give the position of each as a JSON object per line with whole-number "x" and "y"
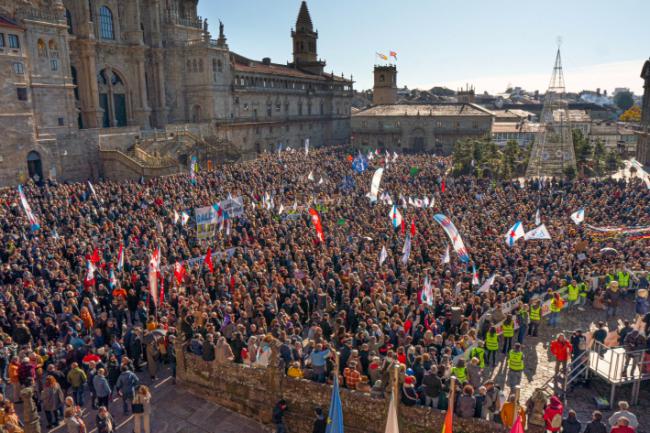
{"x": 82, "y": 78}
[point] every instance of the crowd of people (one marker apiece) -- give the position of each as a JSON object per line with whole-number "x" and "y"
{"x": 77, "y": 325}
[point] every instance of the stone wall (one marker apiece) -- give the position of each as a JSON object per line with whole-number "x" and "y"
{"x": 253, "y": 392}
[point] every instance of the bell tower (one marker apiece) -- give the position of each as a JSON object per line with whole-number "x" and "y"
{"x": 305, "y": 39}
{"x": 643, "y": 147}
{"x": 385, "y": 89}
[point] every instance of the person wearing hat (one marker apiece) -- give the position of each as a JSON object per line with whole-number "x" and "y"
{"x": 320, "y": 423}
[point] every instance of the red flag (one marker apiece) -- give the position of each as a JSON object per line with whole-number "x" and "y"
{"x": 179, "y": 272}
{"x": 443, "y": 186}
{"x": 162, "y": 287}
{"x": 208, "y": 260}
{"x": 315, "y": 219}
{"x": 412, "y": 228}
{"x": 95, "y": 259}
{"x": 403, "y": 227}
{"x": 232, "y": 282}
{"x": 154, "y": 275}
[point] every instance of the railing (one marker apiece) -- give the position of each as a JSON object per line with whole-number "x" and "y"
{"x": 38, "y": 15}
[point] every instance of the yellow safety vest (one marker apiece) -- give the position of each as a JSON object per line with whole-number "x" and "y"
{"x": 554, "y": 307}
{"x": 583, "y": 289}
{"x": 535, "y": 314}
{"x": 492, "y": 341}
{"x": 515, "y": 360}
{"x": 623, "y": 279}
{"x": 508, "y": 330}
{"x": 573, "y": 292}
{"x": 479, "y": 353}
{"x": 460, "y": 373}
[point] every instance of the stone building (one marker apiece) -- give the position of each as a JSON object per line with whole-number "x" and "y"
{"x": 415, "y": 127}
{"x": 90, "y": 76}
{"x": 643, "y": 147}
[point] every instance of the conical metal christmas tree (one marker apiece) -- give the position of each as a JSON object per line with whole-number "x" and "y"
{"x": 552, "y": 153}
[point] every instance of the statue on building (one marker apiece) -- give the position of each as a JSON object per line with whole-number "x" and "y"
{"x": 205, "y": 25}
{"x": 221, "y": 35}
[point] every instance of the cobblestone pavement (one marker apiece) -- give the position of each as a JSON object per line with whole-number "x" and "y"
{"x": 175, "y": 410}
{"x": 540, "y": 366}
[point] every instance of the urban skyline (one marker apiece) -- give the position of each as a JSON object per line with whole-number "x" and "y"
{"x": 517, "y": 49}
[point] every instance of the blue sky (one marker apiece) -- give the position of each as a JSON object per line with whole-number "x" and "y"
{"x": 489, "y": 44}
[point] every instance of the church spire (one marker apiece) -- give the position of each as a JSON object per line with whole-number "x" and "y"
{"x": 303, "y": 23}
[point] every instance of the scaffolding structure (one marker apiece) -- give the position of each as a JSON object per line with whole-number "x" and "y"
{"x": 552, "y": 154}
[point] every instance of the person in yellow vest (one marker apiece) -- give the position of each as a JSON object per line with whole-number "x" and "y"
{"x": 583, "y": 288}
{"x": 556, "y": 306}
{"x": 623, "y": 278}
{"x": 535, "y": 314}
{"x": 508, "y": 332}
{"x": 460, "y": 371}
{"x": 492, "y": 345}
{"x": 573, "y": 293}
{"x": 515, "y": 365}
{"x": 479, "y": 353}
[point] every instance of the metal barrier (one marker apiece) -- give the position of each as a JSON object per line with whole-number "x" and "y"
{"x": 620, "y": 367}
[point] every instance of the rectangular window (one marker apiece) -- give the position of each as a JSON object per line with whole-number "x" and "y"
{"x": 61, "y": 121}
{"x": 54, "y": 63}
{"x": 245, "y": 106}
{"x": 14, "y": 42}
{"x": 21, "y": 93}
{"x": 19, "y": 69}
{"x": 2, "y": 40}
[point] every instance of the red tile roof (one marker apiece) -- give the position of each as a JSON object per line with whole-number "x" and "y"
{"x": 242, "y": 64}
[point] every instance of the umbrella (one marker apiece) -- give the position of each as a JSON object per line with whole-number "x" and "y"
{"x": 609, "y": 250}
{"x": 91, "y": 357}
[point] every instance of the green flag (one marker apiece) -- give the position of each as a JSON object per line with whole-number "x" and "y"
{"x": 341, "y": 221}
{"x": 414, "y": 171}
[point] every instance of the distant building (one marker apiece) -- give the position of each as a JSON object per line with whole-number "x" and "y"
{"x": 643, "y": 148}
{"x": 385, "y": 88}
{"x": 579, "y": 119}
{"x": 523, "y": 133}
{"x": 513, "y": 115}
{"x": 420, "y": 128}
{"x": 615, "y": 136}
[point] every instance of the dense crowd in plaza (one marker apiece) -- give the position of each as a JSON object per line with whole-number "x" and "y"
{"x": 77, "y": 328}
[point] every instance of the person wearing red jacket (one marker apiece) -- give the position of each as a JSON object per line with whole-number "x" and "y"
{"x": 561, "y": 349}
{"x": 553, "y": 415}
{"x": 623, "y": 426}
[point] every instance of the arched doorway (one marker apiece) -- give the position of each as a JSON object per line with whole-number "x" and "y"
{"x": 112, "y": 98}
{"x": 35, "y": 166}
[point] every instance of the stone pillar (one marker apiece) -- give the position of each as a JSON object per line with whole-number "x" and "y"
{"x": 141, "y": 115}
{"x": 159, "y": 106}
{"x": 91, "y": 113}
{"x": 31, "y": 419}
{"x": 132, "y": 31}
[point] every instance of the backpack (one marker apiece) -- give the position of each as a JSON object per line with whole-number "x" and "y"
{"x": 556, "y": 421}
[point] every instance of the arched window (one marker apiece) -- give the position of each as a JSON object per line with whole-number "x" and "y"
{"x": 200, "y": 65}
{"x": 54, "y": 51}
{"x": 219, "y": 66}
{"x": 42, "y": 49}
{"x": 106, "y": 29}
{"x": 189, "y": 65}
{"x": 68, "y": 20}
{"x": 112, "y": 98}
{"x": 195, "y": 67}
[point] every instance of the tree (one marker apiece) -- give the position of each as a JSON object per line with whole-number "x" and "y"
{"x": 613, "y": 160}
{"x": 632, "y": 114}
{"x": 510, "y": 157}
{"x": 624, "y": 100}
{"x": 582, "y": 148}
{"x": 599, "y": 155}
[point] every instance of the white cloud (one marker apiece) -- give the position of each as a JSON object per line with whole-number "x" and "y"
{"x": 605, "y": 76}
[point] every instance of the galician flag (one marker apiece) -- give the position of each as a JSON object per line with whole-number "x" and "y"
{"x": 578, "y": 216}
{"x": 475, "y": 281}
{"x": 184, "y": 218}
{"x": 538, "y": 218}
{"x": 112, "y": 282}
{"x": 515, "y": 232}
{"x": 406, "y": 250}
{"x": 120, "y": 258}
{"x": 383, "y": 255}
{"x": 487, "y": 284}
{"x": 538, "y": 233}
{"x": 396, "y": 217}
{"x": 335, "y": 416}
{"x": 306, "y": 146}
{"x": 427, "y": 292}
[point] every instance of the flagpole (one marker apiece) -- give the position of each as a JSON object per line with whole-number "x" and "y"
{"x": 395, "y": 383}
{"x": 452, "y": 393}
{"x": 517, "y": 394}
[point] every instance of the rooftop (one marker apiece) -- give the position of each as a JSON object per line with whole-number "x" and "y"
{"x": 243, "y": 64}
{"x": 575, "y": 116}
{"x": 401, "y": 110}
{"x": 515, "y": 127}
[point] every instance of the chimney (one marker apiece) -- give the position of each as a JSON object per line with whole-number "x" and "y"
{"x": 266, "y": 61}
{"x": 598, "y": 91}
